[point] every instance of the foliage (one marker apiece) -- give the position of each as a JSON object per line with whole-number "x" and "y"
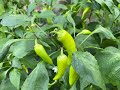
{"x": 96, "y": 61}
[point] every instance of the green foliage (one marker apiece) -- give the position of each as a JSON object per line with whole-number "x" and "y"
{"x": 86, "y": 66}
{"x": 38, "y": 79}
{"x": 96, "y": 61}
{"x": 109, "y": 66}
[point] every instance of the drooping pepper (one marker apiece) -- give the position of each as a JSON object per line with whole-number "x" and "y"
{"x": 68, "y": 42}
{"x": 85, "y": 32}
{"x": 119, "y": 6}
{"x": 73, "y": 76}
{"x": 41, "y": 52}
{"x": 85, "y": 12}
{"x": 61, "y": 64}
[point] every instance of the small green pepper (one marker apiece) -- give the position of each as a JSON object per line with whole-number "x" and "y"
{"x": 68, "y": 42}
{"x": 61, "y": 64}
{"x": 85, "y": 31}
{"x": 85, "y": 12}
{"x": 41, "y": 52}
{"x": 73, "y": 76}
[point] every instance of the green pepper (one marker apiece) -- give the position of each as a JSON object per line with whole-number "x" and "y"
{"x": 61, "y": 64}
{"x": 73, "y": 76}
{"x": 68, "y": 42}
{"x": 41, "y": 52}
{"x": 119, "y": 6}
{"x": 85, "y": 12}
{"x": 85, "y": 31}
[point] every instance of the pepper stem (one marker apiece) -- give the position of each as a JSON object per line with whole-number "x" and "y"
{"x": 61, "y": 50}
{"x": 51, "y": 84}
{"x": 36, "y": 41}
{"x": 54, "y": 31}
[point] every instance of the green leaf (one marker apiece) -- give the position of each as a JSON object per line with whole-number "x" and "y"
{"x": 92, "y": 25}
{"x": 47, "y": 1}
{"x": 73, "y": 87}
{"x": 3, "y": 75}
{"x": 100, "y": 1}
{"x": 116, "y": 12}
{"x": 118, "y": 1}
{"x": 38, "y": 79}
{"x": 46, "y": 14}
{"x": 84, "y": 83}
{"x": 75, "y": 1}
{"x": 109, "y": 4}
{"x": 31, "y": 7}
{"x": 2, "y": 42}
{"x": 22, "y": 48}
{"x": 19, "y": 32}
{"x": 60, "y": 6}
{"x": 4, "y": 29}
{"x": 103, "y": 32}
{"x": 89, "y": 43}
{"x": 61, "y": 20}
{"x": 1, "y": 64}
{"x": 87, "y": 68}
{"x": 71, "y": 20}
{"x": 29, "y": 61}
{"x": 15, "y": 20}
{"x": 5, "y": 50}
{"x": 16, "y": 63}
{"x": 118, "y": 87}
{"x": 15, "y": 78}
{"x": 109, "y": 62}
{"x": 2, "y": 9}
{"x": 7, "y": 85}
{"x": 2, "y": 35}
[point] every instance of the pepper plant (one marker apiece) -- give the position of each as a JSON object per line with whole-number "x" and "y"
{"x": 34, "y": 55}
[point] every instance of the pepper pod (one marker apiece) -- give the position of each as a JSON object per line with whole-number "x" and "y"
{"x": 73, "y": 76}
{"x": 61, "y": 64}
{"x": 85, "y": 32}
{"x": 68, "y": 42}
{"x": 87, "y": 9}
{"x": 41, "y": 52}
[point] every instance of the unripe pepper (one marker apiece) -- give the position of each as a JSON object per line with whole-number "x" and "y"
{"x": 25, "y": 68}
{"x": 68, "y": 42}
{"x": 119, "y": 6}
{"x": 73, "y": 76}
{"x": 85, "y": 31}
{"x": 61, "y": 64}
{"x": 41, "y": 52}
{"x": 85, "y": 12}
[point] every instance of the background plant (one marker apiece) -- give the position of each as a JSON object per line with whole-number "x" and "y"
{"x": 97, "y": 60}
